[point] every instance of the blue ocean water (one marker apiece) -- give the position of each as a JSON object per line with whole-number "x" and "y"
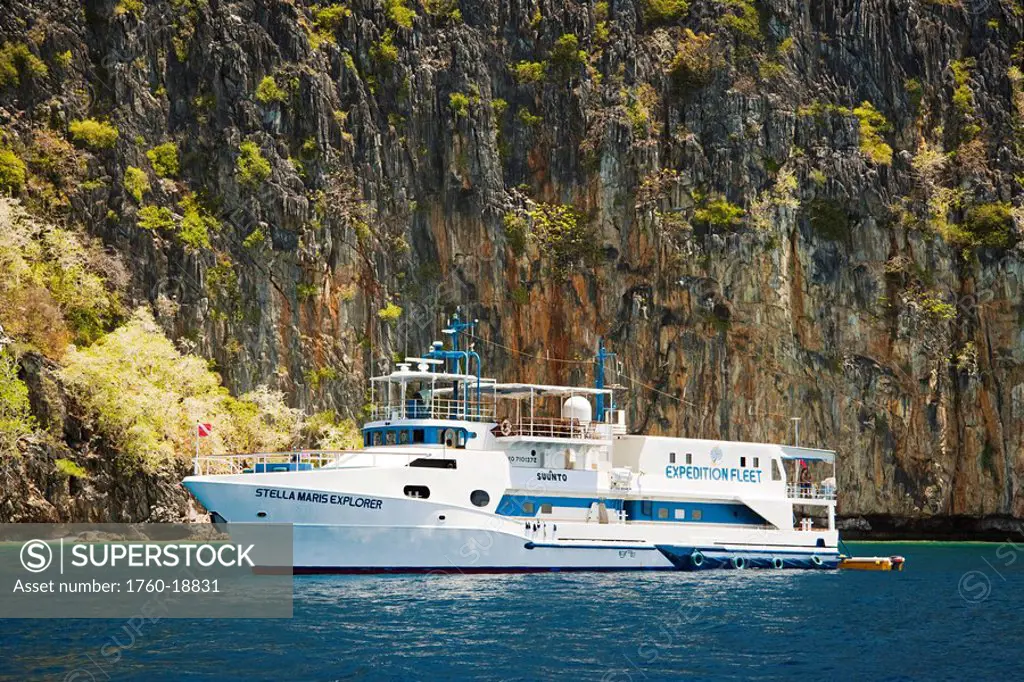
{"x": 956, "y": 611}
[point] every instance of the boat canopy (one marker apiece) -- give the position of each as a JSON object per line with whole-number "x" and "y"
{"x": 521, "y": 391}
{"x": 542, "y": 390}
{"x": 407, "y": 375}
{"x": 790, "y": 452}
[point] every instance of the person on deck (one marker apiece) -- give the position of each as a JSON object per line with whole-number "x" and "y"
{"x": 805, "y": 479}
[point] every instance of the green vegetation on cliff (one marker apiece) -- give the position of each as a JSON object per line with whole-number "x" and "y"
{"x": 696, "y": 61}
{"x": 15, "y": 414}
{"x": 563, "y": 237}
{"x": 136, "y": 183}
{"x": 147, "y": 398}
{"x": 872, "y": 125}
{"x": 17, "y": 61}
{"x": 56, "y": 285}
{"x": 12, "y": 172}
{"x": 164, "y": 159}
{"x": 252, "y": 168}
{"x": 269, "y": 91}
{"x": 196, "y": 223}
{"x": 156, "y": 218}
{"x": 93, "y": 134}
{"x": 663, "y": 11}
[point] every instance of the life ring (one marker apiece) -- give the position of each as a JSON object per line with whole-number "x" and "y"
{"x": 697, "y": 559}
{"x": 506, "y": 428}
{"x": 776, "y": 562}
{"x": 739, "y": 562}
{"x": 816, "y": 560}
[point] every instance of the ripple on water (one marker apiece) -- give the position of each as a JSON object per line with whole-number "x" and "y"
{"x": 646, "y": 626}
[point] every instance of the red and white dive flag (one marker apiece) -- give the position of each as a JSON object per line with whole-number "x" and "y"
{"x": 204, "y": 430}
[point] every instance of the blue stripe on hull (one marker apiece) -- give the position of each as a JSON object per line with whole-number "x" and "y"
{"x": 452, "y": 570}
{"x": 701, "y": 558}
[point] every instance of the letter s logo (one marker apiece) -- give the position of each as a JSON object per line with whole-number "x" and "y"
{"x": 36, "y": 556}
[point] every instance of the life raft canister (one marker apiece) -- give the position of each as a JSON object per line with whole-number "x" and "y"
{"x": 697, "y": 559}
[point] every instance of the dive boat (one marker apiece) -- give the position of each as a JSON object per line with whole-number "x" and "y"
{"x": 460, "y": 473}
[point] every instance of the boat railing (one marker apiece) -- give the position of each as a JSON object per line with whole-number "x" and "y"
{"x": 299, "y": 460}
{"x": 265, "y": 462}
{"x": 547, "y": 427}
{"x": 810, "y": 491}
{"x": 439, "y": 408}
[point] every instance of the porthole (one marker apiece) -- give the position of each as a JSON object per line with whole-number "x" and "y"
{"x": 479, "y": 498}
{"x": 545, "y": 508}
{"x": 261, "y": 515}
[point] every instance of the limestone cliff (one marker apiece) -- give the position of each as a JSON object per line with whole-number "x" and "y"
{"x": 769, "y": 209}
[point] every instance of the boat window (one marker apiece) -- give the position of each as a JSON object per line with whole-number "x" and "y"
{"x": 390, "y": 437}
{"x": 367, "y": 439}
{"x": 417, "y": 436}
{"x": 527, "y": 507}
{"x": 689, "y": 458}
{"x": 403, "y": 437}
{"x": 697, "y": 514}
{"x": 479, "y": 498}
{"x": 757, "y": 463}
{"x": 417, "y": 491}
{"x": 431, "y": 463}
{"x": 680, "y": 514}
{"x": 376, "y": 437}
{"x": 645, "y": 508}
{"x": 743, "y": 461}
{"x": 663, "y": 512}
{"x": 776, "y": 474}
{"x": 671, "y": 458}
{"x": 545, "y": 508}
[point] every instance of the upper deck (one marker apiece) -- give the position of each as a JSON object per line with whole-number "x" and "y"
{"x": 447, "y": 386}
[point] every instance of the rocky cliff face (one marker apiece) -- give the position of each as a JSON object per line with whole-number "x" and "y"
{"x": 769, "y": 209}
{"x": 35, "y": 486}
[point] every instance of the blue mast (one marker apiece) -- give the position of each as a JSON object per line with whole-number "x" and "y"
{"x": 456, "y": 327}
{"x": 602, "y": 355}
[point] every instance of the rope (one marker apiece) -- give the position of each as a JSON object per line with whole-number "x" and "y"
{"x": 683, "y": 401}
{"x": 527, "y": 355}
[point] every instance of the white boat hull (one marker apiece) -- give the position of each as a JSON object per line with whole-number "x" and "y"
{"x": 355, "y": 532}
